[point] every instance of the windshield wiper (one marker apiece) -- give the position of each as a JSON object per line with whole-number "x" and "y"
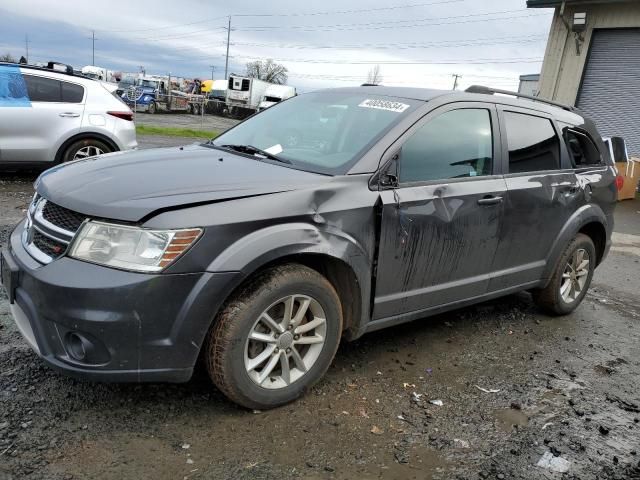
{"x": 250, "y": 149}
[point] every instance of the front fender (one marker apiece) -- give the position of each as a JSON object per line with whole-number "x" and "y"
{"x": 266, "y": 245}
{"x": 581, "y": 217}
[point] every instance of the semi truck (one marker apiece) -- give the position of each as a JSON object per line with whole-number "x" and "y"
{"x": 100, "y": 73}
{"x": 246, "y": 94}
{"x": 154, "y": 93}
{"x": 275, "y": 94}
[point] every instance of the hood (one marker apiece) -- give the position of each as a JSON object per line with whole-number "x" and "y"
{"x": 129, "y": 186}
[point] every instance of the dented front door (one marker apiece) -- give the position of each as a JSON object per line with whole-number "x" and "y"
{"x": 438, "y": 237}
{"x": 437, "y": 245}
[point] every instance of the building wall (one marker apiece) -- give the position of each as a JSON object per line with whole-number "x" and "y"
{"x": 528, "y": 87}
{"x": 562, "y": 67}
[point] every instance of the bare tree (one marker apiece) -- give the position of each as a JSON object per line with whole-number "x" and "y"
{"x": 7, "y": 57}
{"x": 268, "y": 70}
{"x": 374, "y": 77}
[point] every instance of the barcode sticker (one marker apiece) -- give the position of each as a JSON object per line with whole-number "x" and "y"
{"x": 384, "y": 105}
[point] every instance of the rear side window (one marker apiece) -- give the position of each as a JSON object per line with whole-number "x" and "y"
{"x": 43, "y": 89}
{"x": 582, "y": 150}
{"x": 72, "y": 93}
{"x": 533, "y": 143}
{"x": 455, "y": 144}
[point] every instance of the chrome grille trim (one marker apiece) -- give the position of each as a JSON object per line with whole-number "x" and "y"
{"x": 39, "y": 218}
{"x": 36, "y": 222}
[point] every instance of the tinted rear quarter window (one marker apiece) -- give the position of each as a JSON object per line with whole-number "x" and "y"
{"x": 43, "y": 89}
{"x": 582, "y": 150}
{"x": 533, "y": 143}
{"x": 72, "y": 93}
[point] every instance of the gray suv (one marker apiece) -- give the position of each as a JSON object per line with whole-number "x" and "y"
{"x": 257, "y": 252}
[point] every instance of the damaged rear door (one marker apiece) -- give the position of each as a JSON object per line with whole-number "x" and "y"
{"x": 440, "y": 223}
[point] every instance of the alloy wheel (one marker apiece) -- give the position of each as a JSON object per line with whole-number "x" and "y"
{"x": 285, "y": 341}
{"x": 88, "y": 151}
{"x": 575, "y": 275}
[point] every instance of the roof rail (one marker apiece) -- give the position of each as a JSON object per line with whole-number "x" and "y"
{"x": 51, "y": 67}
{"x": 491, "y": 91}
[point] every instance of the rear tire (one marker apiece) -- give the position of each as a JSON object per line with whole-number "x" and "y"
{"x": 571, "y": 278}
{"x": 253, "y": 326}
{"x": 85, "y": 148}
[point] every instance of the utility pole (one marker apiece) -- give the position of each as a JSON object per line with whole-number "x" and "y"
{"x": 26, "y": 46}
{"x": 93, "y": 47}
{"x": 455, "y": 80}
{"x": 212, "y": 69}
{"x": 226, "y": 62}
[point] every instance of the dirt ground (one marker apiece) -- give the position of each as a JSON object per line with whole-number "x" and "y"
{"x": 488, "y": 391}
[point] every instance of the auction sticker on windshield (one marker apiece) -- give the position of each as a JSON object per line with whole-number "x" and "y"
{"x": 384, "y": 105}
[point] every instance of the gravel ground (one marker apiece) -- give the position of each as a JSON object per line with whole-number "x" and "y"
{"x": 515, "y": 387}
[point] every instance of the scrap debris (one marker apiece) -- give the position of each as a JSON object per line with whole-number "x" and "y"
{"x": 489, "y": 390}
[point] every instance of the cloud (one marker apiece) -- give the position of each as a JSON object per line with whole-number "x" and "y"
{"x": 417, "y": 46}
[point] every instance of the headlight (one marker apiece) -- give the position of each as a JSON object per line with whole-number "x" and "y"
{"x": 131, "y": 248}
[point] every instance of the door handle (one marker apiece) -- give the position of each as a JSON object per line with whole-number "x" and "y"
{"x": 69, "y": 115}
{"x": 490, "y": 200}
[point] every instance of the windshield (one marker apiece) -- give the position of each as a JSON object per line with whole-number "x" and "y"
{"x": 325, "y": 132}
{"x": 147, "y": 83}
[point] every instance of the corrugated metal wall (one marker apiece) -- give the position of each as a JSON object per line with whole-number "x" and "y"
{"x": 610, "y": 91}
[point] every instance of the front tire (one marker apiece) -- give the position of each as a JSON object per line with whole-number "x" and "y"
{"x": 275, "y": 338}
{"x": 153, "y": 108}
{"x": 85, "y": 148}
{"x": 571, "y": 278}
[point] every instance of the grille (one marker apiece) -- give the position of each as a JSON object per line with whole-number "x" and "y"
{"x": 134, "y": 94}
{"x": 62, "y": 217}
{"x": 47, "y": 245}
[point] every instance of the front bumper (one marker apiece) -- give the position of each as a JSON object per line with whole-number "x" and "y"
{"x": 138, "y": 107}
{"x": 104, "y": 324}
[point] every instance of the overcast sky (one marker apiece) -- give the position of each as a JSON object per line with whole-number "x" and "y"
{"x": 323, "y": 44}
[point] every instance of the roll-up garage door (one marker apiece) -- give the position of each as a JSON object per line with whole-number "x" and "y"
{"x": 610, "y": 90}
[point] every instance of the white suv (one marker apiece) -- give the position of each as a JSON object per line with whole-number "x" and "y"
{"x": 49, "y": 115}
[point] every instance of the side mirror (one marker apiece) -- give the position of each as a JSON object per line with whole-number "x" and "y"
{"x": 389, "y": 178}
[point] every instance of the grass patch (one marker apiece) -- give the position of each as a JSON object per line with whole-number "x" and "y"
{"x": 175, "y": 132}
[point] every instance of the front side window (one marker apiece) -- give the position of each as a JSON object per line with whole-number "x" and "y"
{"x": 533, "y": 143}
{"x": 324, "y": 132}
{"x": 455, "y": 144}
{"x": 43, "y": 89}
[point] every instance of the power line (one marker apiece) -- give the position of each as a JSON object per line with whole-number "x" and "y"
{"x": 389, "y": 46}
{"x": 507, "y": 40}
{"x": 336, "y": 12}
{"x": 182, "y": 35}
{"x": 474, "y": 61}
{"x": 394, "y": 23}
{"x": 176, "y": 25}
{"x": 302, "y": 14}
